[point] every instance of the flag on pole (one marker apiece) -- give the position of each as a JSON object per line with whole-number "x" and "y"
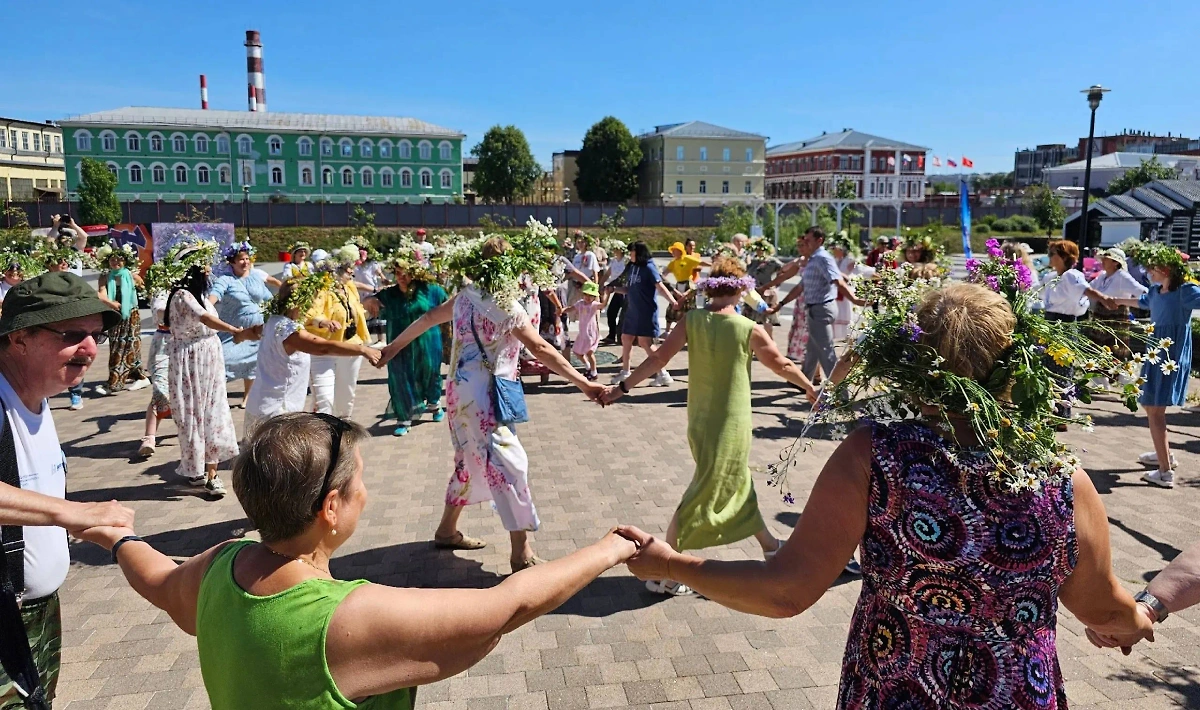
{"x": 967, "y": 162}
{"x": 921, "y": 161}
{"x": 937, "y": 162}
{"x": 951, "y": 163}
{"x": 965, "y": 207}
{"x": 891, "y": 161}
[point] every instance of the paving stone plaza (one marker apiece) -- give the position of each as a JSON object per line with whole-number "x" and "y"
{"x": 614, "y": 644}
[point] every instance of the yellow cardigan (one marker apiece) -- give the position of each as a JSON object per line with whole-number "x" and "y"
{"x": 327, "y": 306}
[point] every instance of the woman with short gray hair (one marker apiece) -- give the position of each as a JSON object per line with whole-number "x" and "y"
{"x": 275, "y": 629}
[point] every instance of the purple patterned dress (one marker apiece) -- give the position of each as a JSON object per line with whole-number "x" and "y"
{"x": 960, "y": 583}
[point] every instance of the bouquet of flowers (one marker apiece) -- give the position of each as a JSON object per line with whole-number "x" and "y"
{"x": 163, "y": 275}
{"x": 894, "y": 375}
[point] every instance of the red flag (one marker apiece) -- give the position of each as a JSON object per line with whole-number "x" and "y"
{"x": 937, "y": 162}
{"x": 921, "y": 161}
{"x": 951, "y": 163}
{"x": 967, "y": 163}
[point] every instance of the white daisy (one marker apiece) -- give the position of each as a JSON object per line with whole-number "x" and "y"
{"x": 1169, "y": 367}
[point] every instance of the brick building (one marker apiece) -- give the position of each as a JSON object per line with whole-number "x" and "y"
{"x": 879, "y": 168}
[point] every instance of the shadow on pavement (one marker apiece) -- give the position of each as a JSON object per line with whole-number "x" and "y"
{"x": 1165, "y": 550}
{"x": 413, "y": 564}
{"x": 172, "y": 543}
{"x": 1179, "y": 683}
{"x": 1106, "y": 479}
{"x": 607, "y": 595}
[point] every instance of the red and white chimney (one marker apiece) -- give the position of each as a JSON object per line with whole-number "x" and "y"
{"x": 254, "y": 72}
{"x": 203, "y": 92}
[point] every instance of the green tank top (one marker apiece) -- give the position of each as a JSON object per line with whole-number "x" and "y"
{"x": 269, "y": 652}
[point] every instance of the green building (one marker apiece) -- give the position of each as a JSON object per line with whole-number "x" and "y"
{"x": 177, "y": 154}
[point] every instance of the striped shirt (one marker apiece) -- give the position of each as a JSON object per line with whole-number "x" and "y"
{"x": 819, "y": 278}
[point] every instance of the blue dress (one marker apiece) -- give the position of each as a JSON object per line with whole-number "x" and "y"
{"x": 1171, "y": 314}
{"x": 239, "y": 302}
{"x": 641, "y": 308}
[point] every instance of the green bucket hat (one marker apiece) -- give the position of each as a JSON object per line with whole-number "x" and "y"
{"x": 590, "y": 288}
{"x": 50, "y": 298}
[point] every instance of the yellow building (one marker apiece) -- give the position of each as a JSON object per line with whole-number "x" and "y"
{"x": 31, "y": 160}
{"x": 565, "y": 171}
{"x": 698, "y": 163}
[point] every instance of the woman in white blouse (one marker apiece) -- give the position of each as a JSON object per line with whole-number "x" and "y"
{"x": 1117, "y": 283}
{"x": 1065, "y": 296}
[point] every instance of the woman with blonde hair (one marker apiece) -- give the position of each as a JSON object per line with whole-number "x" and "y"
{"x": 970, "y": 536}
{"x": 720, "y": 506}
{"x": 337, "y": 314}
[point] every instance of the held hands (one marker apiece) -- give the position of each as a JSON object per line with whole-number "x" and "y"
{"x": 81, "y": 516}
{"x": 103, "y": 535}
{"x": 622, "y": 546}
{"x": 1126, "y": 642}
{"x": 652, "y": 560}
{"x": 811, "y": 393}
{"x": 611, "y": 394}
{"x": 372, "y": 355}
{"x": 244, "y": 334}
{"x": 386, "y": 354}
{"x": 594, "y": 392}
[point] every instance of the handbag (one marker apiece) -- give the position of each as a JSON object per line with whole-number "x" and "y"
{"x": 15, "y": 656}
{"x": 508, "y": 396}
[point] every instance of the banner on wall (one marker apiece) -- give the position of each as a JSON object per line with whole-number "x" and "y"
{"x": 167, "y": 234}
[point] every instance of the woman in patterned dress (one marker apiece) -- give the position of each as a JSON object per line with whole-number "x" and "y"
{"x": 239, "y": 297}
{"x": 961, "y": 576}
{"x": 118, "y": 288}
{"x": 199, "y": 404}
{"x": 489, "y": 461}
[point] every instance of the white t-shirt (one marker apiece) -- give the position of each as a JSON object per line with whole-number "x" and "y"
{"x": 1119, "y": 285}
{"x": 587, "y": 263}
{"x": 291, "y": 271}
{"x": 616, "y": 267}
{"x": 371, "y": 274}
{"x": 1065, "y": 294}
{"x": 282, "y": 381}
{"x": 426, "y": 250}
{"x": 42, "y": 467}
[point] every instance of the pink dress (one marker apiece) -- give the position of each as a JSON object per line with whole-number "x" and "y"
{"x": 589, "y": 326}
{"x": 196, "y": 371}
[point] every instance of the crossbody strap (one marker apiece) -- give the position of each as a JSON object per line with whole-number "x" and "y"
{"x": 12, "y": 562}
{"x": 487, "y": 363}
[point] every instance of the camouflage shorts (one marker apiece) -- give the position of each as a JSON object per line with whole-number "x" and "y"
{"x": 43, "y": 626}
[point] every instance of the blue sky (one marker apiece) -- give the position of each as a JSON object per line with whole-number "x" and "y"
{"x": 974, "y": 78}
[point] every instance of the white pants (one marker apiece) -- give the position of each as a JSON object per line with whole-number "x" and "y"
{"x": 334, "y": 379}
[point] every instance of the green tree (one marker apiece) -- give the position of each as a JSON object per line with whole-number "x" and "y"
{"x": 1148, "y": 171}
{"x": 506, "y": 169}
{"x": 1045, "y": 208}
{"x": 941, "y": 186}
{"x": 608, "y": 162}
{"x": 98, "y": 194}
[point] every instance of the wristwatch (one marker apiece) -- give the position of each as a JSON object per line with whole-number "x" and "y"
{"x": 1152, "y": 603}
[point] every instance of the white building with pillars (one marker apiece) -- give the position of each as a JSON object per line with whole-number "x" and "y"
{"x": 881, "y": 169}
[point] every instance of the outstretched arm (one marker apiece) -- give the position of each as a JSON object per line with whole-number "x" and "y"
{"x": 305, "y": 342}
{"x": 657, "y": 360}
{"x": 551, "y": 358}
{"x": 768, "y": 354}
{"x": 1178, "y": 585}
{"x": 437, "y": 316}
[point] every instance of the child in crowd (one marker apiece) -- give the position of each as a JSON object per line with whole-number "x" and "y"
{"x": 160, "y": 402}
{"x": 587, "y": 311}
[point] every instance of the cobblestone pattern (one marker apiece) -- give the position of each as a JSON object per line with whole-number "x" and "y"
{"x": 613, "y": 645}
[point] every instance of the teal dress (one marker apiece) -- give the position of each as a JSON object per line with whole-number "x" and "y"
{"x": 415, "y": 374}
{"x": 1171, "y": 314}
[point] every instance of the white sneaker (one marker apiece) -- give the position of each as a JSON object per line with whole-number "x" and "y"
{"x": 215, "y": 488}
{"x": 102, "y": 391}
{"x": 1151, "y": 459}
{"x": 621, "y": 377}
{"x": 138, "y": 385}
{"x": 1162, "y": 479}
{"x": 663, "y": 379}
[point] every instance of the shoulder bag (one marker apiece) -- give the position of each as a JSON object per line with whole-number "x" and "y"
{"x": 508, "y": 396}
{"x": 15, "y": 656}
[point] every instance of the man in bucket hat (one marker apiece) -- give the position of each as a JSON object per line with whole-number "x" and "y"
{"x": 50, "y": 330}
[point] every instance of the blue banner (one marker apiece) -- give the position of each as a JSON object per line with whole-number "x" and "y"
{"x": 965, "y": 204}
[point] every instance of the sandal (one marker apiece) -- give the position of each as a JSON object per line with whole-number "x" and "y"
{"x": 669, "y": 587}
{"x": 531, "y": 562}
{"x": 459, "y": 542}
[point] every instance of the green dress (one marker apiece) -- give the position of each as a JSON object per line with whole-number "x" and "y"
{"x": 415, "y": 374}
{"x": 719, "y": 507}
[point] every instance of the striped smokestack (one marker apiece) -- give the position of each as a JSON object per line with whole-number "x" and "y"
{"x": 203, "y": 92}
{"x": 254, "y": 71}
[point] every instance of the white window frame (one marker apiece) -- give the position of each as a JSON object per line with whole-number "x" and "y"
{"x": 704, "y": 152}
{"x": 223, "y": 174}
{"x": 155, "y": 137}
{"x": 129, "y": 171}
{"x": 749, "y": 187}
{"x": 175, "y": 173}
{"x": 58, "y": 143}
{"x": 241, "y": 150}
{"x": 446, "y": 179}
{"x": 426, "y": 178}
{"x": 366, "y": 148}
{"x": 405, "y": 149}
{"x": 724, "y": 187}
{"x": 680, "y": 153}
{"x": 346, "y": 170}
{"x": 304, "y": 146}
{"x": 346, "y": 148}
{"x": 366, "y": 176}
{"x": 725, "y": 155}
{"x": 703, "y": 187}
{"x": 223, "y": 138}
{"x": 272, "y": 141}
{"x": 112, "y": 168}
{"x": 749, "y": 155}
{"x": 178, "y": 139}
{"x": 425, "y": 149}
{"x": 327, "y": 147}
{"x": 83, "y": 141}
{"x": 312, "y": 173}
{"x": 158, "y": 167}
{"x": 25, "y": 140}
{"x": 246, "y": 172}
{"x": 406, "y": 177}
{"x": 327, "y": 177}
{"x": 385, "y": 148}
{"x": 132, "y": 137}
{"x": 197, "y": 140}
{"x": 386, "y": 175}
{"x": 201, "y": 170}
{"x": 271, "y": 167}
{"x": 445, "y": 150}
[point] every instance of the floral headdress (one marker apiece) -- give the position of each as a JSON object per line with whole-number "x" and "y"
{"x": 719, "y": 283}
{"x": 1012, "y": 411}
{"x": 299, "y": 245}
{"x": 364, "y": 244}
{"x": 532, "y": 253}
{"x": 175, "y": 264}
{"x": 760, "y": 247}
{"x": 842, "y": 241}
{"x": 611, "y": 245}
{"x": 304, "y": 292}
{"x": 343, "y": 256}
{"x": 230, "y": 253}
{"x": 588, "y": 239}
{"x": 1153, "y": 255}
{"x": 28, "y": 264}
{"x": 62, "y": 250}
{"x": 127, "y": 253}
{"x": 409, "y": 261}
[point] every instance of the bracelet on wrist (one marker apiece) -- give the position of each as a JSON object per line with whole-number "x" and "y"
{"x": 622, "y": 387}
{"x": 122, "y": 541}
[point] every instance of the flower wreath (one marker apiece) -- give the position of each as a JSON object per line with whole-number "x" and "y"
{"x": 409, "y": 261}
{"x": 760, "y": 247}
{"x": 127, "y": 253}
{"x": 230, "y": 252}
{"x": 1153, "y": 255}
{"x": 342, "y": 257}
{"x": 304, "y": 292}
{"x": 529, "y": 260}
{"x": 175, "y": 264}
{"x": 718, "y": 283}
{"x": 894, "y": 374}
{"x": 612, "y": 245}
{"x": 843, "y": 241}
{"x": 299, "y": 245}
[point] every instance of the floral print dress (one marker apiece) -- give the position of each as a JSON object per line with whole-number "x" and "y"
{"x": 489, "y": 461}
{"x": 960, "y": 583}
{"x": 199, "y": 404}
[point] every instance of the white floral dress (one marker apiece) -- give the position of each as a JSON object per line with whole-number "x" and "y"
{"x": 489, "y": 461}
{"x": 198, "y": 401}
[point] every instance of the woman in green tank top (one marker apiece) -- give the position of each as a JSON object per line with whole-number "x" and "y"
{"x": 275, "y": 630}
{"x": 719, "y": 507}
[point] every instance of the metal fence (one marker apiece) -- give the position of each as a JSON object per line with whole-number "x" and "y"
{"x": 315, "y": 214}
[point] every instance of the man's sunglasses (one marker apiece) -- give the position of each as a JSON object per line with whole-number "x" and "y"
{"x": 75, "y": 337}
{"x": 337, "y": 427}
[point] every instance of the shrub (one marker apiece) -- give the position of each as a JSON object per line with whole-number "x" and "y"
{"x": 1021, "y": 223}
{"x": 982, "y": 228}
{"x": 1002, "y": 225}
{"x": 988, "y": 219}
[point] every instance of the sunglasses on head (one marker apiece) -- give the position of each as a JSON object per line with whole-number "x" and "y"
{"x": 75, "y": 337}
{"x": 337, "y": 427}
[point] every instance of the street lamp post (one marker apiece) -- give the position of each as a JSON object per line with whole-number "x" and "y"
{"x": 1094, "y": 94}
{"x": 567, "y": 213}
{"x": 246, "y": 209}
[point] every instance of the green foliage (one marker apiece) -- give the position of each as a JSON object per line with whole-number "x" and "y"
{"x": 735, "y": 219}
{"x": 942, "y": 186}
{"x": 506, "y": 169}
{"x": 1147, "y": 172}
{"x": 1047, "y": 210}
{"x": 1023, "y": 223}
{"x": 1002, "y": 225}
{"x": 98, "y": 194}
{"x": 988, "y": 219}
{"x": 608, "y": 163}
{"x": 364, "y": 222}
{"x": 982, "y": 228}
